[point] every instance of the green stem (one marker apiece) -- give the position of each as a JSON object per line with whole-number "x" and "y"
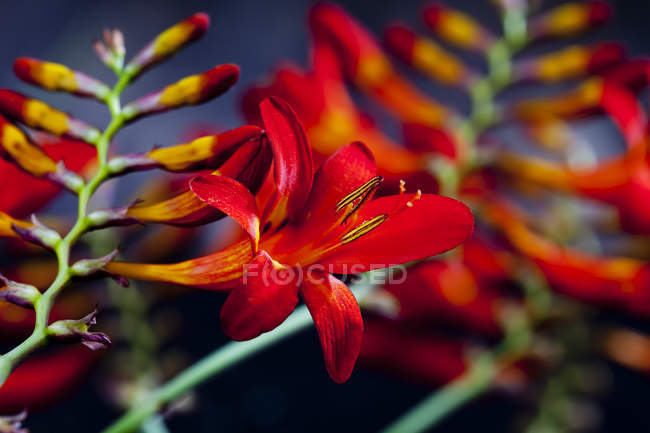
{"x": 45, "y": 302}
{"x": 155, "y": 424}
{"x": 476, "y": 380}
{"x": 449, "y": 398}
{"x": 208, "y": 367}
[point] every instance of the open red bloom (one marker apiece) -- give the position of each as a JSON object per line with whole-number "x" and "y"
{"x": 308, "y": 227}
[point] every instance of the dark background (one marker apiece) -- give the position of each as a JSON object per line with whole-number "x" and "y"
{"x": 286, "y": 388}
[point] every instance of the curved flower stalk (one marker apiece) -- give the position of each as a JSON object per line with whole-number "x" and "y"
{"x": 41, "y": 161}
{"x": 314, "y": 224}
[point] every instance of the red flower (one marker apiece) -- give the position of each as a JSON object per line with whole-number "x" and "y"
{"x": 331, "y": 118}
{"x": 318, "y": 224}
{"x": 614, "y": 282}
{"x": 624, "y": 181}
{"x": 448, "y": 291}
{"x": 414, "y": 354}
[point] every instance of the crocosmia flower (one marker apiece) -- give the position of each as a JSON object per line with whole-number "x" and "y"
{"x": 310, "y": 226}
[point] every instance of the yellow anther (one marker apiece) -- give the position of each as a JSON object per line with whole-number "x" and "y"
{"x": 360, "y": 194}
{"x": 363, "y": 228}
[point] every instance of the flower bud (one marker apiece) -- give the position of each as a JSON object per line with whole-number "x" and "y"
{"x": 112, "y": 217}
{"x": 39, "y": 115}
{"x": 191, "y": 90}
{"x": 570, "y": 19}
{"x": 13, "y": 423}
{"x": 86, "y": 267}
{"x": 7, "y": 222}
{"x": 17, "y": 293}
{"x": 15, "y": 145}
{"x": 78, "y": 330}
{"x": 111, "y": 51}
{"x": 67, "y": 178}
{"x": 426, "y": 56}
{"x": 169, "y": 42}
{"x": 38, "y": 234}
{"x": 56, "y": 77}
{"x": 571, "y": 62}
{"x": 457, "y": 27}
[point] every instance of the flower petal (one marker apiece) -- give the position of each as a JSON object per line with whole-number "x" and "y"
{"x": 248, "y": 165}
{"x": 418, "y": 355}
{"x": 343, "y": 172}
{"x": 269, "y": 294}
{"x": 231, "y": 198}
{"x": 217, "y": 271}
{"x": 338, "y": 320}
{"x": 292, "y": 161}
{"x": 431, "y": 225}
{"x": 32, "y": 385}
{"x": 447, "y": 291}
{"x": 367, "y": 66}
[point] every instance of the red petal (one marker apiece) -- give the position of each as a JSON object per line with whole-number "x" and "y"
{"x": 338, "y": 320}
{"x": 447, "y": 291}
{"x": 433, "y": 224}
{"x": 346, "y": 170}
{"x": 216, "y": 271}
{"x": 422, "y": 357}
{"x": 33, "y": 384}
{"x": 269, "y": 294}
{"x": 232, "y": 198}
{"x": 292, "y": 163}
{"x": 624, "y": 108}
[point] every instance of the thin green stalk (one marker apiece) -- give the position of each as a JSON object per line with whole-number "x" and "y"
{"x": 207, "y": 368}
{"x": 475, "y": 381}
{"x": 154, "y": 424}
{"x": 449, "y": 398}
{"x": 45, "y": 302}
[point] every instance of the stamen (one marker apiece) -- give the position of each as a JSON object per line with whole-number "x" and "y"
{"x": 416, "y": 197}
{"x": 402, "y": 186}
{"x": 363, "y": 228}
{"x": 363, "y": 190}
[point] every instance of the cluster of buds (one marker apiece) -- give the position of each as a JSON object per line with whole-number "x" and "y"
{"x": 55, "y": 150}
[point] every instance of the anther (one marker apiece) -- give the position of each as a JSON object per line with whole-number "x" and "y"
{"x": 363, "y": 228}
{"x": 416, "y": 197}
{"x": 363, "y": 190}
{"x": 360, "y": 194}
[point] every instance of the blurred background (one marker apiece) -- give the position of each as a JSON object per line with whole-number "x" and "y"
{"x": 285, "y": 389}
